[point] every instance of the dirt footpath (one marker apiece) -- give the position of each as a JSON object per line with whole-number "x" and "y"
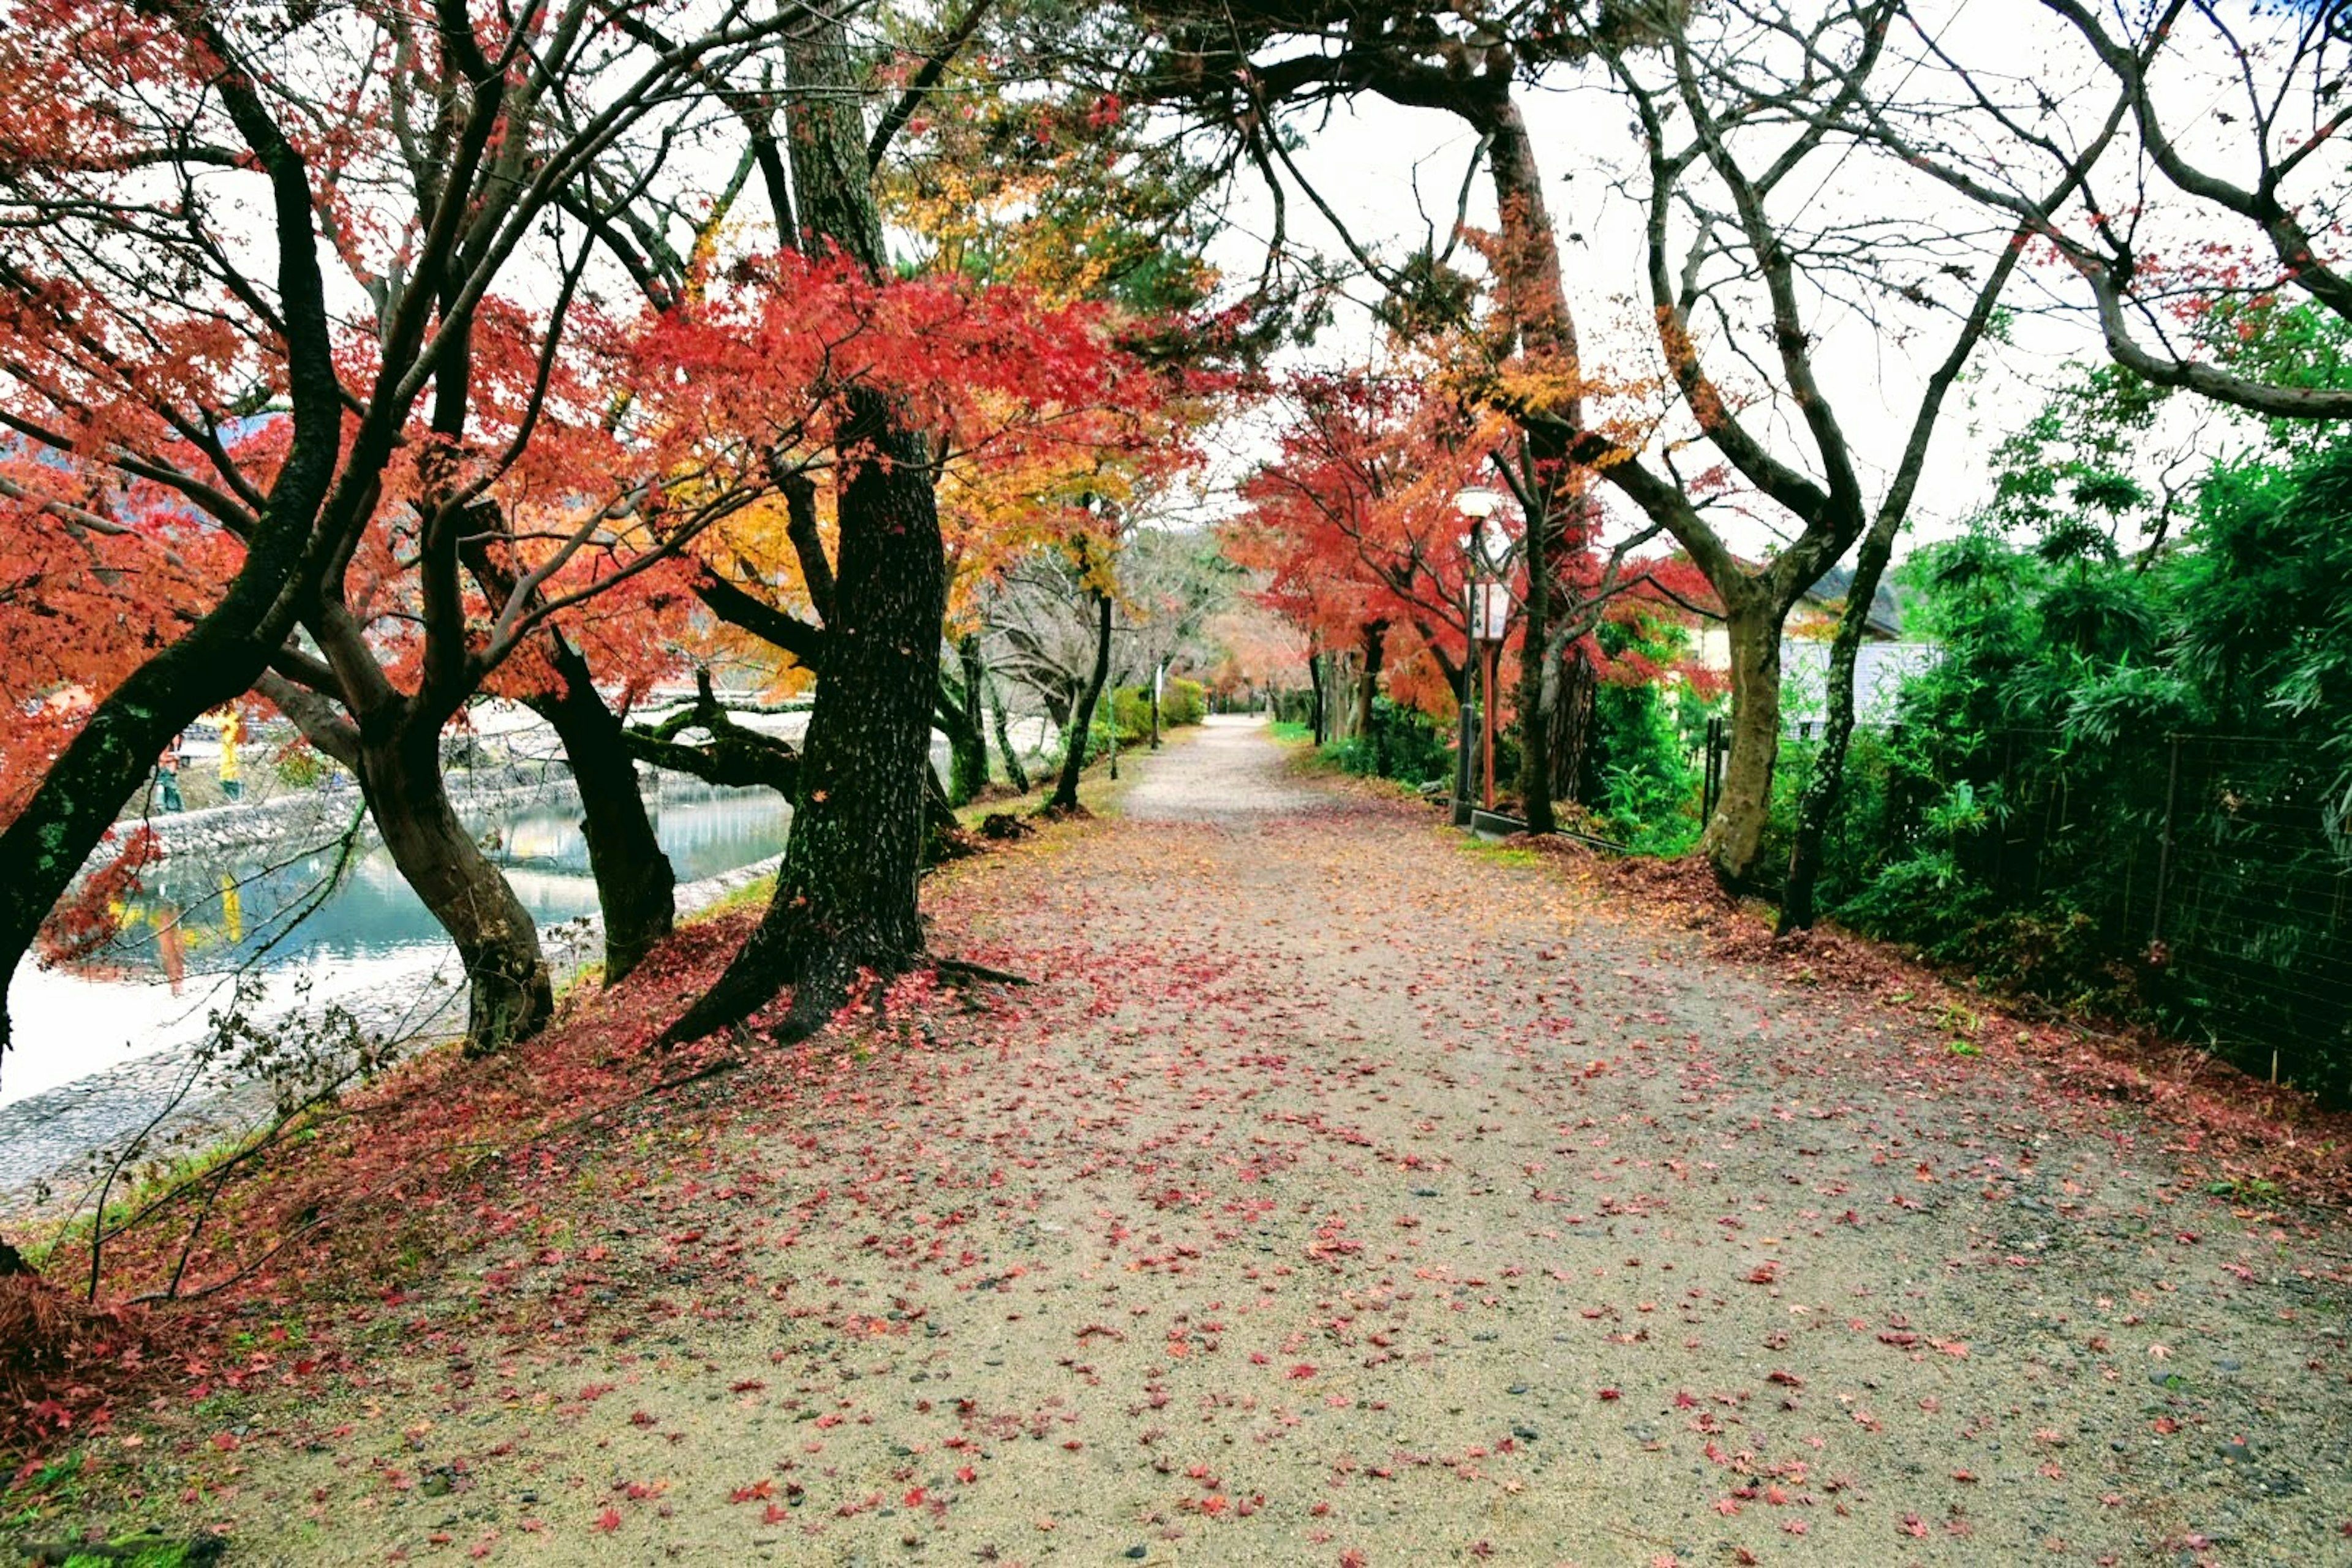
{"x": 1344, "y": 1195}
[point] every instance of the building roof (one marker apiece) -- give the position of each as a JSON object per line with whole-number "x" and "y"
{"x": 1830, "y": 590}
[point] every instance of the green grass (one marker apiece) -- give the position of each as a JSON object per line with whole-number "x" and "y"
{"x": 753, "y": 894}
{"x": 134, "y": 1189}
{"x": 1291, "y": 734}
{"x": 161, "y": 1554}
{"x": 1500, "y": 854}
{"x": 1098, "y": 791}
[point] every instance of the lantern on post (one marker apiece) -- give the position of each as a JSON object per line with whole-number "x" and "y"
{"x": 1489, "y": 613}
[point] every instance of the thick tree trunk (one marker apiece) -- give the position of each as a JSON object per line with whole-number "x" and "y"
{"x": 1014, "y": 774}
{"x": 1735, "y": 837}
{"x": 845, "y": 895}
{"x": 512, "y": 997}
{"x": 1074, "y": 749}
{"x": 1534, "y": 310}
{"x": 46, "y": 846}
{"x": 636, "y": 884}
{"x": 1539, "y": 684}
{"x": 1820, "y": 801}
{"x": 960, "y": 722}
{"x": 1158, "y": 675}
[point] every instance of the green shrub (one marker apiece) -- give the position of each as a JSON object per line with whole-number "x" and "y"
{"x": 1639, "y": 768}
{"x": 1183, "y": 703}
{"x": 1404, "y": 744}
{"x": 1131, "y": 709}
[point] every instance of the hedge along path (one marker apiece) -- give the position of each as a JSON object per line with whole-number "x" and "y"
{"x": 1338, "y": 1194}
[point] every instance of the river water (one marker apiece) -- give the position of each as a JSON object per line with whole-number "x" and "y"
{"x": 298, "y": 916}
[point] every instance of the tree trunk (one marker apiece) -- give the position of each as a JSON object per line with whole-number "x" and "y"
{"x": 1534, "y": 310}
{"x": 68, "y": 815}
{"x": 636, "y": 884}
{"x": 1376, "y": 635}
{"x": 1573, "y": 688}
{"x": 46, "y": 846}
{"x": 1014, "y": 774}
{"x": 1819, "y": 803}
{"x": 512, "y": 997}
{"x": 1158, "y": 676}
{"x": 1315, "y": 697}
{"x": 960, "y": 722}
{"x": 1073, "y": 750}
{"x": 1539, "y": 684}
{"x": 1734, "y": 838}
{"x": 845, "y": 895}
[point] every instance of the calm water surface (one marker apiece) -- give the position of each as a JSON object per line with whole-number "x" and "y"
{"x": 199, "y": 919}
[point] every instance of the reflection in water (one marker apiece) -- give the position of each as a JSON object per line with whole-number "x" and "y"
{"x": 198, "y": 918}
{"x": 229, "y": 912}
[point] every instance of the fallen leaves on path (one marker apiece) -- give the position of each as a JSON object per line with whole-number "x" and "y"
{"x": 1338, "y": 1194}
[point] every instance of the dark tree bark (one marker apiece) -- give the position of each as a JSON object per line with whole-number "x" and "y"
{"x": 1315, "y": 700}
{"x": 636, "y": 886}
{"x": 1014, "y": 774}
{"x": 1073, "y": 750}
{"x": 509, "y": 996}
{"x": 1376, "y": 639}
{"x": 71, "y": 812}
{"x": 735, "y": 757}
{"x": 1574, "y": 690}
{"x": 846, "y": 896}
{"x": 1745, "y": 804}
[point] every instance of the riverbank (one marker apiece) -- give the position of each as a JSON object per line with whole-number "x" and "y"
{"x": 54, "y": 1145}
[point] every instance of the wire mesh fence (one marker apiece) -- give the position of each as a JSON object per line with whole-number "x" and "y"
{"x": 2203, "y": 879}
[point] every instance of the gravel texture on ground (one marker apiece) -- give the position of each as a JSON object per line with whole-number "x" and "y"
{"x": 1339, "y": 1193}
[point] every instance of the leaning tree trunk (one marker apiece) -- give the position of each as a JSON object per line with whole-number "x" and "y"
{"x": 845, "y": 897}
{"x": 636, "y": 884}
{"x": 1315, "y": 700}
{"x": 511, "y": 997}
{"x": 1820, "y": 801}
{"x": 1735, "y": 836}
{"x": 1082, "y": 721}
{"x": 1014, "y": 774}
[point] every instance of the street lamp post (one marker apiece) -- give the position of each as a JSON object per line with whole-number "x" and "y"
{"x": 1488, "y": 612}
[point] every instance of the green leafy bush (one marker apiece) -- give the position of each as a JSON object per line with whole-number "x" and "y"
{"x": 1404, "y": 744}
{"x": 1183, "y": 703}
{"x": 2127, "y": 784}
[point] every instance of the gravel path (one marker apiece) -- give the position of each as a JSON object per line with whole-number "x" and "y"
{"x": 1340, "y": 1195}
